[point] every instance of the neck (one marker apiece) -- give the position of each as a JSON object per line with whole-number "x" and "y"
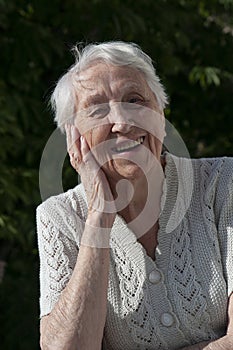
{"x": 132, "y": 195}
{"x": 146, "y": 188}
{"x": 129, "y": 196}
{"x": 135, "y": 198}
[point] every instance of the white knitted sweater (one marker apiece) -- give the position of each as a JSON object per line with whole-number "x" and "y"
{"x": 176, "y": 300}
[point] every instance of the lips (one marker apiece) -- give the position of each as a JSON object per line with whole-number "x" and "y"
{"x": 129, "y": 145}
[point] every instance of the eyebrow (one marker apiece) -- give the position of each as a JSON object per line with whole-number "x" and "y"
{"x": 100, "y": 99}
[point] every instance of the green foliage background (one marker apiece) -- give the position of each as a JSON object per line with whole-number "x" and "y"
{"x": 191, "y": 43}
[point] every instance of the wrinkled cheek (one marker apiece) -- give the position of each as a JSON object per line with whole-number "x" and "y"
{"x": 93, "y": 137}
{"x": 155, "y": 146}
{"x": 85, "y": 124}
{"x": 99, "y": 146}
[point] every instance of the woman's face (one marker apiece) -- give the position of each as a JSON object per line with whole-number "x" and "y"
{"x": 112, "y": 103}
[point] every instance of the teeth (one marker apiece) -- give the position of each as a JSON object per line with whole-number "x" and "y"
{"x": 130, "y": 144}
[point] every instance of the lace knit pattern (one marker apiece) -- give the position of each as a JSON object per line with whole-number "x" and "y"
{"x": 186, "y": 287}
{"x": 188, "y": 303}
{"x": 135, "y": 302}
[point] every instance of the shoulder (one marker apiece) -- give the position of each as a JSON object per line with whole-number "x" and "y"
{"x": 213, "y": 184}
{"x": 207, "y": 180}
{"x": 217, "y": 165}
{"x": 65, "y": 205}
{"x": 210, "y": 170}
{"x": 215, "y": 173}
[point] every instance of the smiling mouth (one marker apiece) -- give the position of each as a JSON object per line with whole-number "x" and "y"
{"x": 129, "y": 145}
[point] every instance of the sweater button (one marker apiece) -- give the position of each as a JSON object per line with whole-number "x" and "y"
{"x": 167, "y": 319}
{"x": 155, "y": 277}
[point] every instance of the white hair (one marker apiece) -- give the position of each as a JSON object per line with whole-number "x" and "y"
{"x": 119, "y": 53}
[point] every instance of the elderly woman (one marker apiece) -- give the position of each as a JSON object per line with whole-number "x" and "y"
{"x": 139, "y": 255}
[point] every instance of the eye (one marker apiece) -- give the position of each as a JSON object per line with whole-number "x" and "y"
{"x": 137, "y": 100}
{"x": 134, "y": 103}
{"x": 98, "y": 111}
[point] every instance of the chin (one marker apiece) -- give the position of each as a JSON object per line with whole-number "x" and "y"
{"x": 127, "y": 170}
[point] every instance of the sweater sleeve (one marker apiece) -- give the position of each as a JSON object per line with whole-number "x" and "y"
{"x": 58, "y": 250}
{"x": 224, "y": 219}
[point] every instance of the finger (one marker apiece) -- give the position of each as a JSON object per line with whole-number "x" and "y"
{"x": 75, "y": 133}
{"x": 76, "y": 163}
{"x": 68, "y": 136}
{"x": 87, "y": 155}
{"x": 84, "y": 148}
{"x": 75, "y": 143}
{"x": 75, "y": 137}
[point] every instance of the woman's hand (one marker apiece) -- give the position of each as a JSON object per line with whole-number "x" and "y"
{"x": 101, "y": 208}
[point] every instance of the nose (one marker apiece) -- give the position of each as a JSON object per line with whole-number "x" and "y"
{"x": 119, "y": 119}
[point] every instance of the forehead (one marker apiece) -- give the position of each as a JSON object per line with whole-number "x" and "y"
{"x": 105, "y": 71}
{"x": 107, "y": 79}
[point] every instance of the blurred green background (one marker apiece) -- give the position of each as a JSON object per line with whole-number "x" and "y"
{"x": 192, "y": 45}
